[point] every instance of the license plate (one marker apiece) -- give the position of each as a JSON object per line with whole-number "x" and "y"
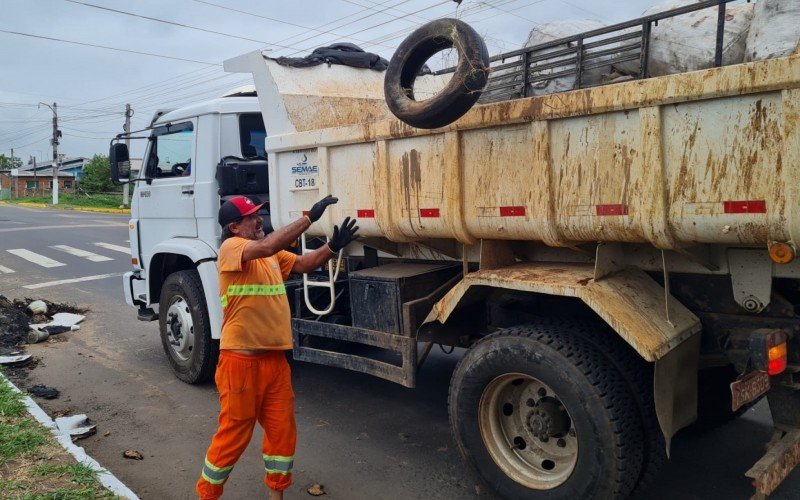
{"x": 748, "y": 389}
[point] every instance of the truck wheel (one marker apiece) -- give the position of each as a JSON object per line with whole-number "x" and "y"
{"x": 539, "y": 412}
{"x": 464, "y": 88}
{"x": 638, "y": 374}
{"x": 185, "y": 328}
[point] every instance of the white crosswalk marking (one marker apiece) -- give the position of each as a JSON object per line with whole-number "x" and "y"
{"x": 82, "y": 253}
{"x": 6, "y": 270}
{"x": 35, "y": 257}
{"x": 117, "y": 248}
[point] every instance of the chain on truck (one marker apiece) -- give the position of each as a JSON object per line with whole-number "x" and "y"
{"x": 617, "y": 261}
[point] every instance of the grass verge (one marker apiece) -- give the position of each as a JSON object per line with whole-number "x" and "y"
{"x": 76, "y": 200}
{"x": 32, "y": 464}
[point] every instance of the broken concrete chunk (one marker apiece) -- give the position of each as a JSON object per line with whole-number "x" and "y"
{"x": 77, "y": 426}
{"x": 14, "y": 359}
{"x": 38, "y": 307}
{"x": 67, "y": 319}
{"x": 35, "y": 336}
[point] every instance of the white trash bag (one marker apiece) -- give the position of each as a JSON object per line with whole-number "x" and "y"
{"x": 688, "y": 42}
{"x": 775, "y": 30}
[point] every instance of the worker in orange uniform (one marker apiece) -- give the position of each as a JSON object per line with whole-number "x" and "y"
{"x": 253, "y": 376}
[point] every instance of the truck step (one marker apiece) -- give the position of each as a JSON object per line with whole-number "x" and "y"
{"x": 147, "y": 314}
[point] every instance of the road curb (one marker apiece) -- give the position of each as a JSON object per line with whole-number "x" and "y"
{"x": 76, "y": 209}
{"x": 105, "y": 477}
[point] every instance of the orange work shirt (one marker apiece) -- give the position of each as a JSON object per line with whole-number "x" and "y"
{"x": 255, "y": 310}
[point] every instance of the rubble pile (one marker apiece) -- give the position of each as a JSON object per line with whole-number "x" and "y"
{"x": 17, "y": 315}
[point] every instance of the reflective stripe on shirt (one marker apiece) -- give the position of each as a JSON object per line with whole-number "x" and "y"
{"x": 251, "y": 290}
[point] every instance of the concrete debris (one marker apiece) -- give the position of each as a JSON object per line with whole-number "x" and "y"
{"x": 62, "y": 322}
{"x": 316, "y": 490}
{"x": 43, "y": 391}
{"x": 14, "y": 359}
{"x": 35, "y": 336}
{"x": 37, "y": 307}
{"x": 132, "y": 454}
{"x": 77, "y": 426}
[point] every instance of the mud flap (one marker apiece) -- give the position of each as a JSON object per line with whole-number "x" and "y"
{"x": 675, "y": 387}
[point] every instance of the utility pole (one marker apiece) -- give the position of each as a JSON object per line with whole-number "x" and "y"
{"x": 127, "y": 129}
{"x": 14, "y": 181}
{"x": 54, "y": 142}
{"x": 35, "y": 179}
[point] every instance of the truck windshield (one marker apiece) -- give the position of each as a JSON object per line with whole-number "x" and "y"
{"x": 252, "y": 134}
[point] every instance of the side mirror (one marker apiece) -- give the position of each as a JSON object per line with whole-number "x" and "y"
{"x": 120, "y": 163}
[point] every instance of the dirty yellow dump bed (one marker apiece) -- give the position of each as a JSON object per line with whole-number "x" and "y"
{"x": 711, "y": 156}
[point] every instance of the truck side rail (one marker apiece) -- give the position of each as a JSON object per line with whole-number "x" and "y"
{"x": 515, "y": 71}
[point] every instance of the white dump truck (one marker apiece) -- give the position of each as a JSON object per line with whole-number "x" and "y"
{"x": 617, "y": 261}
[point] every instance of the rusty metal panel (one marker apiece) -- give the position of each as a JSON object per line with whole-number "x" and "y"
{"x": 703, "y": 157}
{"x": 781, "y": 458}
{"x": 592, "y": 159}
{"x": 725, "y": 150}
{"x": 629, "y": 301}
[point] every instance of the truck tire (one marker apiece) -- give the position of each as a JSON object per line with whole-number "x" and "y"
{"x": 638, "y": 374}
{"x": 185, "y": 328}
{"x": 464, "y": 88}
{"x": 539, "y": 412}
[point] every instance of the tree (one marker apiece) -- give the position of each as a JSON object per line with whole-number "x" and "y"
{"x": 7, "y": 162}
{"x": 97, "y": 175}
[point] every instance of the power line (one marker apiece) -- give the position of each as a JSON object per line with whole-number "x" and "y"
{"x": 107, "y": 48}
{"x": 173, "y": 23}
{"x": 281, "y": 21}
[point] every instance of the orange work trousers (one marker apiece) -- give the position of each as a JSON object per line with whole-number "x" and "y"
{"x": 251, "y": 388}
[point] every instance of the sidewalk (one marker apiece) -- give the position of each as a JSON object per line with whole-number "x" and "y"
{"x": 69, "y": 207}
{"x": 103, "y": 476}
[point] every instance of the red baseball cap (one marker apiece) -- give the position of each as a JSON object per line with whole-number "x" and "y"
{"x": 235, "y": 209}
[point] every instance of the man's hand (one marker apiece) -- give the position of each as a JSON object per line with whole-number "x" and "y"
{"x": 341, "y": 237}
{"x": 319, "y": 207}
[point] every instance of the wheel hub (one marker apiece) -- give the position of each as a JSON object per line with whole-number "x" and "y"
{"x": 180, "y": 328}
{"x": 548, "y": 419}
{"x": 528, "y": 431}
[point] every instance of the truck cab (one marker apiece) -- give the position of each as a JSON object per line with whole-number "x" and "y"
{"x": 173, "y": 226}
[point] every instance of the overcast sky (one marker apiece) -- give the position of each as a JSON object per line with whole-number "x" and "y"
{"x": 92, "y": 85}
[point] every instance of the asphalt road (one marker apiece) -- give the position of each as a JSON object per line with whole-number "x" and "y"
{"x": 360, "y": 437}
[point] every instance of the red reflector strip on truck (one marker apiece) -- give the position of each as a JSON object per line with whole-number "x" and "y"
{"x": 429, "y": 212}
{"x": 745, "y": 207}
{"x": 611, "y": 209}
{"x": 365, "y": 214}
{"x": 512, "y": 211}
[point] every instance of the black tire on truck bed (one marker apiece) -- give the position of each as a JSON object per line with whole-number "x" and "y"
{"x": 554, "y": 370}
{"x": 183, "y": 318}
{"x": 461, "y": 92}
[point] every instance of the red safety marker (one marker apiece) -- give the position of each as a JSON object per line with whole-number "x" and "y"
{"x": 604, "y": 210}
{"x": 429, "y": 212}
{"x": 745, "y": 207}
{"x": 365, "y": 213}
{"x": 512, "y": 211}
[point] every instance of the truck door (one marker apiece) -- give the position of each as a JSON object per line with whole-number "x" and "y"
{"x": 166, "y": 201}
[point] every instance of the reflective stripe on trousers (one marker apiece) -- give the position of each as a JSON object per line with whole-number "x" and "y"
{"x": 276, "y": 464}
{"x": 215, "y": 475}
